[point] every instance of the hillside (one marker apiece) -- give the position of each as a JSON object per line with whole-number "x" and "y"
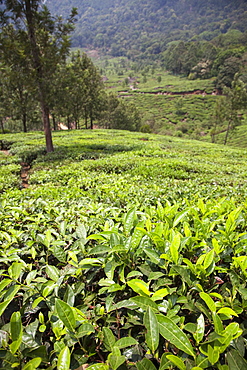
{"x": 136, "y": 27}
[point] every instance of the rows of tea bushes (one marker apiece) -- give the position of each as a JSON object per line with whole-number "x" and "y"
{"x": 126, "y": 251}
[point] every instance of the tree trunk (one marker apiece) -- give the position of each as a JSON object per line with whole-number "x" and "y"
{"x": 86, "y": 117}
{"x": 47, "y": 128}
{"x": 24, "y": 122}
{"x": 29, "y": 11}
{"x": 68, "y": 123}
{"x": 54, "y": 122}
{"x": 1, "y": 122}
{"x": 227, "y": 132}
{"x": 91, "y": 120}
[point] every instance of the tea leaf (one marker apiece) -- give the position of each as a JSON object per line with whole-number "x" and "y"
{"x": 209, "y": 302}
{"x": 63, "y": 361}
{"x": 65, "y": 314}
{"x": 145, "y": 364}
{"x": 152, "y": 326}
{"x": 176, "y": 361}
{"x": 171, "y": 332}
{"x": 139, "y": 286}
{"x": 33, "y": 364}
{"x": 109, "y": 339}
{"x": 126, "y": 342}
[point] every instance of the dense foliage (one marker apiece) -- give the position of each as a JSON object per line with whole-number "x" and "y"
{"x": 147, "y": 26}
{"x": 127, "y": 251}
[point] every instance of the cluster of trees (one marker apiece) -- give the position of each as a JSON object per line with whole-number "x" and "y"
{"x": 38, "y": 74}
{"x": 201, "y": 59}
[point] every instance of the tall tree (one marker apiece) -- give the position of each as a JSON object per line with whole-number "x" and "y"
{"x": 227, "y": 111}
{"x": 48, "y": 44}
{"x": 236, "y": 98}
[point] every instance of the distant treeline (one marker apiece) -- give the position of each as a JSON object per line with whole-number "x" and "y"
{"x": 190, "y": 37}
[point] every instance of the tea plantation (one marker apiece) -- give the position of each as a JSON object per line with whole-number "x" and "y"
{"x": 122, "y": 251}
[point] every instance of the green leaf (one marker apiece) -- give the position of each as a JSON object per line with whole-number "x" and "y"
{"x": 15, "y": 332}
{"x": 179, "y": 218}
{"x": 98, "y": 367}
{"x": 39, "y": 352}
{"x": 152, "y": 326}
{"x": 11, "y": 292}
{"x": 129, "y": 220}
{"x": 174, "y": 247}
{"x": 213, "y": 354}
{"x": 236, "y": 361}
{"x": 140, "y": 287}
{"x": 4, "y": 283}
{"x": 198, "y": 335}
{"x": 227, "y": 311}
{"x": 15, "y": 270}
{"x": 125, "y": 342}
{"x": 171, "y": 332}
{"x": 208, "y": 300}
{"x": 37, "y": 302}
{"x": 115, "y": 361}
{"x": 52, "y": 272}
{"x": 63, "y": 361}
{"x": 59, "y": 253}
{"x": 145, "y": 364}
{"x": 81, "y": 232}
{"x": 218, "y": 326}
{"x": 85, "y": 329}
{"x": 144, "y": 303}
{"x": 164, "y": 362}
{"x": 15, "y": 326}
{"x": 4, "y": 305}
{"x": 176, "y": 361}
{"x": 109, "y": 339}
{"x": 160, "y": 294}
{"x": 99, "y": 249}
{"x": 90, "y": 262}
{"x": 208, "y": 259}
{"x": 65, "y": 314}
{"x": 126, "y": 303}
{"x": 137, "y": 235}
{"x": 153, "y": 256}
{"x": 32, "y": 364}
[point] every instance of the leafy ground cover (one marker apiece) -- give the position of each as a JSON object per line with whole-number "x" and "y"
{"x": 127, "y": 251}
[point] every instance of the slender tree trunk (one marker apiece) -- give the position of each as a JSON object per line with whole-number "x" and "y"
{"x": 24, "y": 122}
{"x": 54, "y": 122}
{"x": 1, "y": 123}
{"x": 68, "y": 122}
{"x": 47, "y": 128}
{"x": 39, "y": 73}
{"x": 91, "y": 120}
{"x": 227, "y": 132}
{"x": 86, "y": 118}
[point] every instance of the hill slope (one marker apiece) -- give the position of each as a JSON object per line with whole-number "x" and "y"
{"x": 132, "y": 27}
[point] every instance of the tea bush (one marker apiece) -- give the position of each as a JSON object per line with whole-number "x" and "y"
{"x": 134, "y": 258}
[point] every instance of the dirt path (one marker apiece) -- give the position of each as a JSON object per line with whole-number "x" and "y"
{"x": 25, "y": 167}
